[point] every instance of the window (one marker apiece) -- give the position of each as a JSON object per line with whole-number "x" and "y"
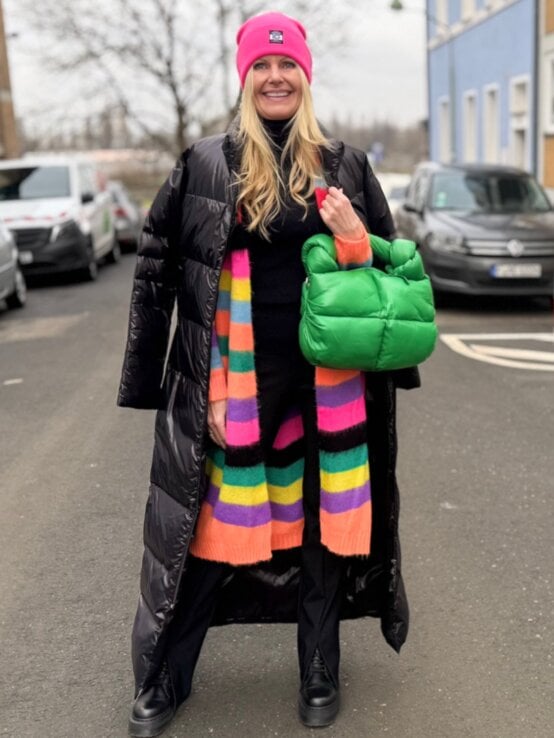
{"x": 519, "y": 122}
{"x": 34, "y": 183}
{"x": 491, "y": 125}
{"x": 468, "y": 9}
{"x": 445, "y": 149}
{"x": 470, "y": 127}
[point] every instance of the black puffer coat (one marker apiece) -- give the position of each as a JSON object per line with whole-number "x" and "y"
{"x": 180, "y": 256}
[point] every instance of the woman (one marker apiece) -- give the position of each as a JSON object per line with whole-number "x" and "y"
{"x": 260, "y": 508}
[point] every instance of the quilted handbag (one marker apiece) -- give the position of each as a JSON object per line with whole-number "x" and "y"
{"x": 367, "y": 319}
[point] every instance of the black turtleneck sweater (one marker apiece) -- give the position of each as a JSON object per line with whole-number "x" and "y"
{"x": 277, "y": 272}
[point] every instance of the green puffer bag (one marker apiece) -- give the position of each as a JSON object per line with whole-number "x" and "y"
{"x": 365, "y": 318}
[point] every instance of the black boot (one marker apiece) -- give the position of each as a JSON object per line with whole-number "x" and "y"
{"x": 154, "y": 708}
{"x": 318, "y": 702}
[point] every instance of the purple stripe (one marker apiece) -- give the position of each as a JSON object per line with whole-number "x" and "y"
{"x": 247, "y": 516}
{"x": 287, "y": 513}
{"x": 340, "y": 394}
{"x": 338, "y": 502}
{"x": 242, "y": 410}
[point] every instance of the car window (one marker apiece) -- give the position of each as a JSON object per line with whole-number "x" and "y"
{"x": 487, "y": 192}
{"x": 420, "y": 191}
{"x": 34, "y": 183}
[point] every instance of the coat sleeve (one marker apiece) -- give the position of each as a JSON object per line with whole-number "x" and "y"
{"x": 379, "y": 217}
{"x": 153, "y": 297}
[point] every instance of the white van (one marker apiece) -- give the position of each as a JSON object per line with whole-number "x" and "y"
{"x": 59, "y": 213}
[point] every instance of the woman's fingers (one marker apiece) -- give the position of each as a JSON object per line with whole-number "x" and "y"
{"x": 217, "y": 411}
{"x": 338, "y": 214}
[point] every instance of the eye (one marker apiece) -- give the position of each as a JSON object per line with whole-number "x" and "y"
{"x": 289, "y": 64}
{"x": 260, "y": 65}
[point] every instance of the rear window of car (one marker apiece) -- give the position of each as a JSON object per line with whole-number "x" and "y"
{"x": 34, "y": 183}
{"x": 484, "y": 192}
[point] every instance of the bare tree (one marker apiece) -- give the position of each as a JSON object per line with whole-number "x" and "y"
{"x": 159, "y": 61}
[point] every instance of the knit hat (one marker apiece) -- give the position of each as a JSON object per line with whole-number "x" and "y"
{"x": 272, "y": 33}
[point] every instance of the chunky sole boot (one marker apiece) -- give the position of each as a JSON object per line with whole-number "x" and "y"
{"x": 153, "y": 709}
{"x": 318, "y": 701}
{"x": 318, "y": 716}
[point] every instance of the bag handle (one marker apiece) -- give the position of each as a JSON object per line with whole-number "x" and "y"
{"x": 400, "y": 256}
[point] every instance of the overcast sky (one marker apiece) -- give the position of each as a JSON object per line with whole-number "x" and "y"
{"x": 380, "y": 76}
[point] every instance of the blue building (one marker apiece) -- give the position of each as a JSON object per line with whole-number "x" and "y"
{"x": 483, "y": 81}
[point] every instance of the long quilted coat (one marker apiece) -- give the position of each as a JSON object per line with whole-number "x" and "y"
{"x": 179, "y": 259}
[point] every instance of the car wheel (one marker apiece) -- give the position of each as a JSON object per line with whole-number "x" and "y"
{"x": 90, "y": 272}
{"x": 114, "y": 256}
{"x": 18, "y": 298}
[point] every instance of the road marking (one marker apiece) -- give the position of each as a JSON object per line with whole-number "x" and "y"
{"x": 9, "y": 382}
{"x": 539, "y": 361}
{"x": 30, "y": 330}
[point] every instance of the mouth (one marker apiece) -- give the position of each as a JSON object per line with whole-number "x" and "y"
{"x": 277, "y": 95}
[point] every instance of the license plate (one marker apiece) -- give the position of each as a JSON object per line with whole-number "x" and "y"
{"x": 25, "y": 257}
{"x": 516, "y": 271}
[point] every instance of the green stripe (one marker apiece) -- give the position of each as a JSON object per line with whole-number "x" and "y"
{"x": 244, "y": 476}
{"x": 223, "y": 343}
{"x": 284, "y": 476}
{"x": 241, "y": 361}
{"x": 343, "y": 460}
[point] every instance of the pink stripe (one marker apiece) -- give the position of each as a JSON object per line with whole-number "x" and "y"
{"x": 289, "y": 432}
{"x": 242, "y": 434}
{"x": 332, "y": 419}
{"x": 241, "y": 265}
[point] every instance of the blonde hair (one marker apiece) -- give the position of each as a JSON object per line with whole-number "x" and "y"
{"x": 261, "y": 186}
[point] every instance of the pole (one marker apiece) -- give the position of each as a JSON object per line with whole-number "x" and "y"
{"x": 9, "y": 143}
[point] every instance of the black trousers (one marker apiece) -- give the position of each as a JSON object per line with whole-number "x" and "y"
{"x": 282, "y": 380}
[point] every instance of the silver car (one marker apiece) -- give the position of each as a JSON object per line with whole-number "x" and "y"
{"x": 12, "y": 282}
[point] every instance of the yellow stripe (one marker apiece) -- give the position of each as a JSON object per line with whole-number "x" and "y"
{"x": 286, "y": 495}
{"x": 246, "y": 496}
{"x": 240, "y": 289}
{"x": 225, "y": 280}
{"x": 341, "y": 481}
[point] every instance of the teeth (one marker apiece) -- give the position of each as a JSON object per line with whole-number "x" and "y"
{"x": 277, "y": 94}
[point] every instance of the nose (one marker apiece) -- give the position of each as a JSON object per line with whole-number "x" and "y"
{"x": 275, "y": 73}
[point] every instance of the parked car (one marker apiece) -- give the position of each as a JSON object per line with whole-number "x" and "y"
{"x": 128, "y": 215}
{"x": 481, "y": 229}
{"x": 12, "y": 282}
{"x": 60, "y": 216}
{"x": 394, "y": 186}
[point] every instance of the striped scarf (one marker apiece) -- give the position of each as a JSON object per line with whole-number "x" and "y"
{"x": 252, "y": 505}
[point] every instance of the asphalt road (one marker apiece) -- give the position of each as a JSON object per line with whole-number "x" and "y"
{"x": 476, "y": 473}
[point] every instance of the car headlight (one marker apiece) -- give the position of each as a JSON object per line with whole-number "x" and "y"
{"x": 451, "y": 242}
{"x": 60, "y": 228}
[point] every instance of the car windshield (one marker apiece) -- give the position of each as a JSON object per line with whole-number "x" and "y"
{"x": 487, "y": 193}
{"x": 34, "y": 183}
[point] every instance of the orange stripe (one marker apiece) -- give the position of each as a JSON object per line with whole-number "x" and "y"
{"x": 347, "y": 533}
{"x": 286, "y": 535}
{"x": 241, "y": 337}
{"x": 331, "y": 377}
{"x": 234, "y": 544}
{"x": 222, "y": 318}
{"x": 242, "y": 385}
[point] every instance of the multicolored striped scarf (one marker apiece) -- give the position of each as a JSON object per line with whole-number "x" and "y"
{"x": 252, "y": 505}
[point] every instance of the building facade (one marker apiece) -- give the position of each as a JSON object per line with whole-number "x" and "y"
{"x": 482, "y": 82}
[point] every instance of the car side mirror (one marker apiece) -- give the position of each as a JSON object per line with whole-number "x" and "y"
{"x": 412, "y": 209}
{"x": 87, "y": 197}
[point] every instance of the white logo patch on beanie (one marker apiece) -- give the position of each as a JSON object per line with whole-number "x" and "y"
{"x": 276, "y": 37}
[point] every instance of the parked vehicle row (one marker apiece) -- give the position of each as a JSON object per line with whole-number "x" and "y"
{"x": 59, "y": 218}
{"x": 480, "y": 229}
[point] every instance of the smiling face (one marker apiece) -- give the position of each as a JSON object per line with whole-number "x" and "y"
{"x": 277, "y": 87}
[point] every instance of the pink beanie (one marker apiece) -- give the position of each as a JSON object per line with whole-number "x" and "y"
{"x": 272, "y": 33}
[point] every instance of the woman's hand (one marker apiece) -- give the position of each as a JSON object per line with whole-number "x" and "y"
{"x": 339, "y": 216}
{"x": 217, "y": 411}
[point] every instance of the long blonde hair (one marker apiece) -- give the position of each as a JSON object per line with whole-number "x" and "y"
{"x": 261, "y": 186}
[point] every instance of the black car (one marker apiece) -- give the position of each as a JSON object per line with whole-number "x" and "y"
{"x": 481, "y": 229}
